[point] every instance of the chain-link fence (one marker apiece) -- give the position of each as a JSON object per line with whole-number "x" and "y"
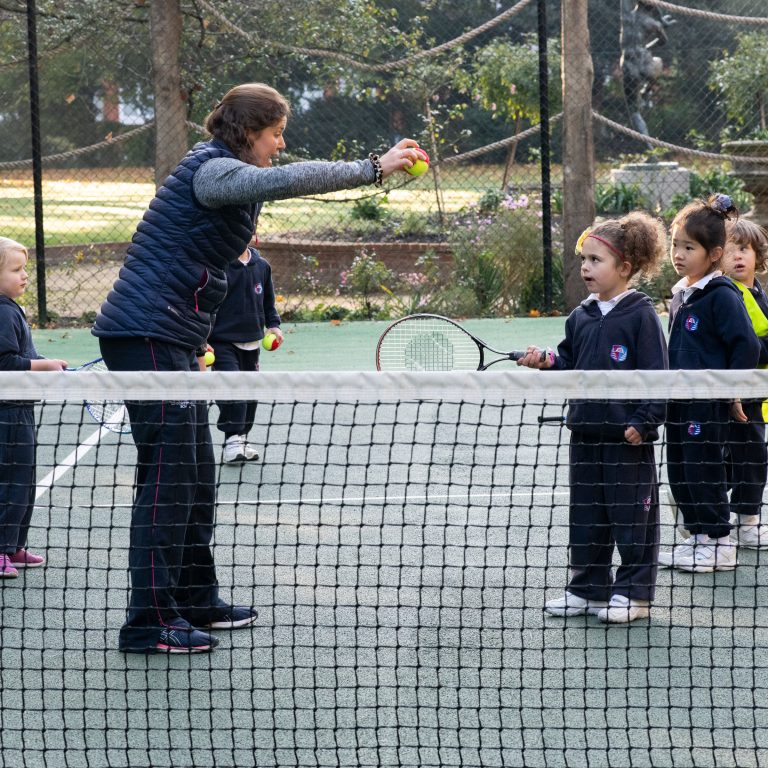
{"x": 678, "y": 93}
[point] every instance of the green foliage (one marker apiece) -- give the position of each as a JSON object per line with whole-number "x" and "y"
{"x": 495, "y": 255}
{"x": 741, "y": 77}
{"x": 659, "y": 287}
{"x": 418, "y": 291}
{"x": 370, "y": 208}
{"x": 618, "y": 198}
{"x": 532, "y": 292}
{"x": 702, "y": 185}
{"x": 505, "y": 79}
{"x": 364, "y": 280}
{"x": 490, "y": 201}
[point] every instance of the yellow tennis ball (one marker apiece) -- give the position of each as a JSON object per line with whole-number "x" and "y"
{"x": 270, "y": 342}
{"x": 420, "y": 167}
{"x": 209, "y": 358}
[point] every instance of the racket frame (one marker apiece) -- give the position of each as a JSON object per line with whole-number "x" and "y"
{"x": 481, "y": 345}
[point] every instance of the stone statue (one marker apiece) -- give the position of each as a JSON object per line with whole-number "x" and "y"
{"x": 642, "y": 28}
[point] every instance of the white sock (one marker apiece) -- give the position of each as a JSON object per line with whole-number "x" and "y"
{"x": 749, "y": 520}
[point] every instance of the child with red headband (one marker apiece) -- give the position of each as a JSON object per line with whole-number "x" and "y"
{"x": 613, "y": 480}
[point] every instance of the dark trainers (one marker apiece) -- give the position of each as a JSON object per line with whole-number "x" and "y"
{"x": 185, "y": 640}
{"x": 234, "y": 617}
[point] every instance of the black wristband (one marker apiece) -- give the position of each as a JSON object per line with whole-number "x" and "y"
{"x": 378, "y": 173}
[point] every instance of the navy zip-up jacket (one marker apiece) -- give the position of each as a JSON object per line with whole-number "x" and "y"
{"x": 712, "y": 329}
{"x": 174, "y": 276}
{"x": 17, "y": 350}
{"x": 629, "y": 337}
{"x": 249, "y": 307}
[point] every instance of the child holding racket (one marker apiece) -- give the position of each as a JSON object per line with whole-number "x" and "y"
{"x": 159, "y": 312}
{"x": 17, "y": 418}
{"x": 709, "y": 328}
{"x": 245, "y": 313}
{"x": 613, "y": 481}
{"x": 746, "y": 252}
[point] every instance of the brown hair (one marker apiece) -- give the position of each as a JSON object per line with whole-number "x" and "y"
{"x": 704, "y": 220}
{"x": 8, "y": 246}
{"x": 745, "y": 232}
{"x": 247, "y": 107}
{"x": 639, "y": 238}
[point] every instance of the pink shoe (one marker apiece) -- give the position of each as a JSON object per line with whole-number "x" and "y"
{"x": 23, "y": 558}
{"x": 7, "y": 571}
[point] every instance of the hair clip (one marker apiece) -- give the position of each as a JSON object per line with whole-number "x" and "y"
{"x": 580, "y": 242}
{"x": 722, "y": 203}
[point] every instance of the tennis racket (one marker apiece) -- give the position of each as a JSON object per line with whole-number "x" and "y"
{"x": 109, "y": 413}
{"x": 427, "y": 342}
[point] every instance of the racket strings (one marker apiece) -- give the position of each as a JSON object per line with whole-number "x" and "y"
{"x": 428, "y": 345}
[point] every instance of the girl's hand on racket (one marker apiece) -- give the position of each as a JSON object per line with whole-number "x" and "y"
{"x": 537, "y": 358}
{"x": 403, "y": 155}
{"x": 631, "y": 435}
{"x": 48, "y": 365}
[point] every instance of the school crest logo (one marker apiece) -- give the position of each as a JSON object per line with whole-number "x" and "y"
{"x": 258, "y": 289}
{"x": 618, "y": 353}
{"x": 647, "y": 504}
{"x": 694, "y": 429}
{"x": 691, "y": 323}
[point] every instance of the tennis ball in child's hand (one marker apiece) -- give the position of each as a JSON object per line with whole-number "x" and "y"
{"x": 209, "y": 358}
{"x": 421, "y": 166}
{"x": 270, "y": 342}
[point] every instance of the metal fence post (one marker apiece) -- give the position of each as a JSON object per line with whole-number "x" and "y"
{"x": 37, "y": 166}
{"x": 546, "y": 187}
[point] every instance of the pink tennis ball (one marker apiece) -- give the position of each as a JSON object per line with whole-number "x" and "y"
{"x": 420, "y": 167}
{"x": 270, "y": 342}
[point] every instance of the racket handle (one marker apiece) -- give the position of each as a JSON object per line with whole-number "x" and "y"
{"x": 542, "y": 356}
{"x": 551, "y": 419}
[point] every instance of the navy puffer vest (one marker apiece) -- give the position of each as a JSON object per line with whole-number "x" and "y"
{"x": 174, "y": 275}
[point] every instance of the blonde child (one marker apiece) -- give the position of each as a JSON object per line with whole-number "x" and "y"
{"x": 613, "y": 482}
{"x": 746, "y": 251}
{"x": 17, "y": 418}
{"x": 709, "y": 328}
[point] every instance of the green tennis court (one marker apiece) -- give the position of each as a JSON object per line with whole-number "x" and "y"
{"x": 400, "y": 550}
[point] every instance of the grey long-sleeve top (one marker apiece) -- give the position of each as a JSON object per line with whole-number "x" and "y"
{"x": 225, "y": 181}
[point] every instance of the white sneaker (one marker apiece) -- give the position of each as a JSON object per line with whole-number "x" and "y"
{"x": 681, "y": 551}
{"x": 751, "y": 536}
{"x": 704, "y": 556}
{"x": 573, "y": 605}
{"x": 622, "y": 610}
{"x": 234, "y": 450}
{"x": 250, "y": 453}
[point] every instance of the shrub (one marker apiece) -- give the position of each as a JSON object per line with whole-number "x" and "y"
{"x": 495, "y": 255}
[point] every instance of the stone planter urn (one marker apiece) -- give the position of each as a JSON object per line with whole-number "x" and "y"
{"x": 753, "y": 174}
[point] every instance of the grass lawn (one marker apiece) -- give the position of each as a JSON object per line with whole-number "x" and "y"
{"x": 83, "y": 205}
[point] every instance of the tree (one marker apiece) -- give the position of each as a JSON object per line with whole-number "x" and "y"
{"x": 506, "y": 83}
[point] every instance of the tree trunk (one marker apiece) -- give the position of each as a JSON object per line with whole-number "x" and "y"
{"x": 578, "y": 148}
{"x": 165, "y": 23}
{"x": 511, "y": 152}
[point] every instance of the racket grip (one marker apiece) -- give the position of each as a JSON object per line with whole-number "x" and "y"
{"x": 542, "y": 356}
{"x": 551, "y": 419}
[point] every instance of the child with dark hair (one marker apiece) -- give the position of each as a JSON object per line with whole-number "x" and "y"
{"x": 246, "y": 315}
{"x": 709, "y": 328}
{"x": 613, "y": 481}
{"x": 746, "y": 251}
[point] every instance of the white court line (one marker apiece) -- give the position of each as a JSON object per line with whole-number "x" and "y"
{"x": 70, "y": 461}
{"x": 388, "y": 499}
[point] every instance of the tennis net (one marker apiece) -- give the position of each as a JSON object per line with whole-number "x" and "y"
{"x": 400, "y": 537}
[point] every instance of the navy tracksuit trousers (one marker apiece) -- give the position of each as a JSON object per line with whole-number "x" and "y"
{"x": 614, "y": 501}
{"x": 235, "y": 417}
{"x": 17, "y": 475}
{"x": 173, "y": 577}
{"x": 747, "y": 460}
{"x": 697, "y": 433}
